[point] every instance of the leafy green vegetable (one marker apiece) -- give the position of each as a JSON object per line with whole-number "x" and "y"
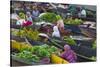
{"x": 35, "y": 49}
{"x": 69, "y": 40}
{"x": 73, "y": 21}
{"x": 43, "y": 53}
{"x": 44, "y": 50}
{"x": 27, "y": 55}
{"x": 48, "y": 17}
{"x": 52, "y": 49}
{"x": 45, "y": 46}
{"x": 58, "y": 17}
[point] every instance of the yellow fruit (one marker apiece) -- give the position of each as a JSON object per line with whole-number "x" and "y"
{"x": 15, "y": 44}
{"x": 19, "y": 45}
{"x": 58, "y": 60}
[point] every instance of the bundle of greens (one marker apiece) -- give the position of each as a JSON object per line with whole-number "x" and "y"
{"x": 27, "y": 55}
{"x": 69, "y": 40}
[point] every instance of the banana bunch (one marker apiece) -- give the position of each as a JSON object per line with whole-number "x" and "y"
{"x": 19, "y": 45}
{"x": 33, "y": 34}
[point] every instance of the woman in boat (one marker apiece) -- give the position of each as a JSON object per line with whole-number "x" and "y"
{"x": 69, "y": 54}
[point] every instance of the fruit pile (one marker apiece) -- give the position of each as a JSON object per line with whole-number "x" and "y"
{"x": 32, "y": 34}
{"x": 19, "y": 45}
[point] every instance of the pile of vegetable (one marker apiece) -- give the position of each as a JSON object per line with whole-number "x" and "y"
{"x": 73, "y": 21}
{"x": 69, "y": 40}
{"x": 31, "y": 34}
{"x": 48, "y": 17}
{"x": 37, "y": 53}
{"x": 27, "y": 56}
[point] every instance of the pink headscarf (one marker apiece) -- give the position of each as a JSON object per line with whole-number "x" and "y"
{"x": 67, "y": 47}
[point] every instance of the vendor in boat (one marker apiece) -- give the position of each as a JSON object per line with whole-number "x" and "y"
{"x": 35, "y": 13}
{"x": 56, "y": 32}
{"x": 20, "y": 21}
{"x": 23, "y": 21}
{"x": 69, "y": 54}
{"x": 60, "y": 25}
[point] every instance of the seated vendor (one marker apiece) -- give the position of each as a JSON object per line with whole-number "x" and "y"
{"x": 69, "y": 54}
{"x": 56, "y": 32}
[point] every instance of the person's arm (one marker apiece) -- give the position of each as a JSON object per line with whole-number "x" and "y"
{"x": 58, "y": 24}
{"x": 62, "y": 54}
{"x": 74, "y": 55}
